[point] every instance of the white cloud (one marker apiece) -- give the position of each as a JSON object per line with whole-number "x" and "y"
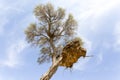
{"x": 10, "y": 8}
{"x": 93, "y": 12}
{"x": 3, "y": 22}
{"x": 81, "y": 64}
{"x": 6, "y": 8}
{"x": 13, "y": 54}
{"x": 117, "y": 36}
{"x": 83, "y": 8}
{"x": 8, "y": 11}
{"x": 99, "y": 58}
{"x": 87, "y": 44}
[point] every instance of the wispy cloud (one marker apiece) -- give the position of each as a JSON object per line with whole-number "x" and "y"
{"x": 13, "y": 53}
{"x": 2, "y": 25}
{"x": 6, "y": 10}
{"x": 9, "y": 8}
{"x": 87, "y": 44}
{"x": 93, "y": 12}
{"x": 117, "y": 36}
{"x": 99, "y": 58}
{"x": 81, "y": 64}
{"x": 13, "y": 13}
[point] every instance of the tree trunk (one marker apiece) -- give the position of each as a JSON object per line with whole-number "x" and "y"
{"x": 52, "y": 70}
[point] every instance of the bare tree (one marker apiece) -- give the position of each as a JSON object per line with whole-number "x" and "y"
{"x": 51, "y": 28}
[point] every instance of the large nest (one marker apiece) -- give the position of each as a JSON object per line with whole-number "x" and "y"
{"x": 72, "y": 52}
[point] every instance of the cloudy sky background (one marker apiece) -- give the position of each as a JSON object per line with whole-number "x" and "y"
{"x": 99, "y": 27}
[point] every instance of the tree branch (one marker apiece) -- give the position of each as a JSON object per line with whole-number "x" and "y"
{"x": 42, "y": 35}
{"x": 52, "y": 69}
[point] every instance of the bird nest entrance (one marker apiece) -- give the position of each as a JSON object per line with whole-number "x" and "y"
{"x": 72, "y": 52}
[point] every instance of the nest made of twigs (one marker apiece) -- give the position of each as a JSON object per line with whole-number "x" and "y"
{"x": 72, "y": 52}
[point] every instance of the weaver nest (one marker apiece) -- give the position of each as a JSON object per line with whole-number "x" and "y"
{"x": 72, "y": 52}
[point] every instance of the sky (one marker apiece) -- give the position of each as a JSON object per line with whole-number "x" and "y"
{"x": 98, "y": 26}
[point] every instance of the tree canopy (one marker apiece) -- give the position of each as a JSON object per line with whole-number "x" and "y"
{"x": 53, "y": 33}
{"x": 52, "y": 26}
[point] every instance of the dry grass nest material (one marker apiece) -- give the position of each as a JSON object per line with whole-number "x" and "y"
{"x": 72, "y": 52}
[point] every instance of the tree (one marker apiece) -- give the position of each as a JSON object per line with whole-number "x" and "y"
{"x": 51, "y": 28}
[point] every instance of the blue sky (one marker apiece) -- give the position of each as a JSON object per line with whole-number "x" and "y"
{"x": 99, "y": 27}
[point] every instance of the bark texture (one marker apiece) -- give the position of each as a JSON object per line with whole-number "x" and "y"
{"x": 52, "y": 70}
